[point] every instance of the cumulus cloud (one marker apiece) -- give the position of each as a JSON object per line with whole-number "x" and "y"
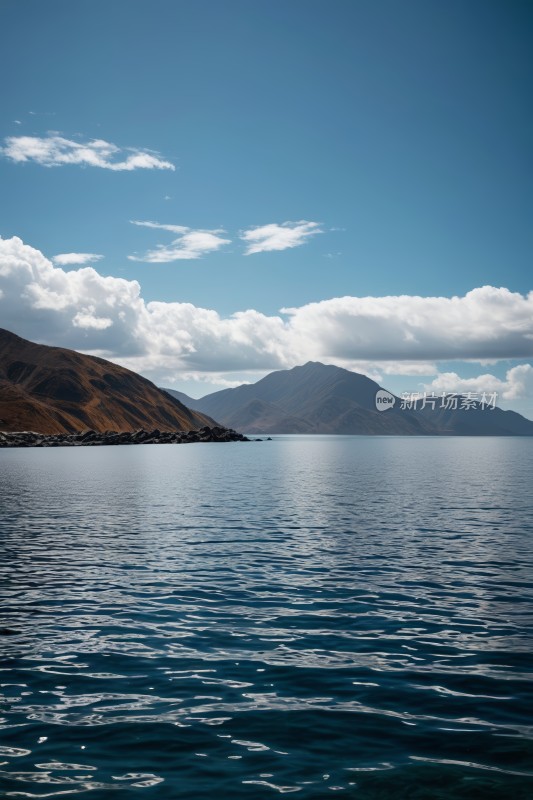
{"x": 54, "y": 151}
{"x": 517, "y": 385}
{"x": 87, "y": 319}
{"x": 189, "y": 244}
{"x": 486, "y": 323}
{"x": 278, "y": 237}
{"x": 66, "y": 259}
{"x": 107, "y": 316}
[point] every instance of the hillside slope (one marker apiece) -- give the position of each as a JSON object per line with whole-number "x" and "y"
{"x": 54, "y": 390}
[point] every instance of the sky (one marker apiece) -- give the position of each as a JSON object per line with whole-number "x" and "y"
{"x": 208, "y": 191}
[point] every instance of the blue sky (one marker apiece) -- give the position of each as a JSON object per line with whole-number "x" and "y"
{"x": 388, "y": 143}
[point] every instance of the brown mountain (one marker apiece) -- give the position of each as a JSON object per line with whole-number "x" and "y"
{"x": 53, "y": 390}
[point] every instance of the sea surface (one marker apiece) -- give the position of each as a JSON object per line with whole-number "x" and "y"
{"x": 318, "y": 616}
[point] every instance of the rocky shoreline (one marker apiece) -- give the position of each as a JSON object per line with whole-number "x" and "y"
{"x": 91, "y": 438}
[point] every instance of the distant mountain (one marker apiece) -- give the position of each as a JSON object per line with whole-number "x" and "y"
{"x": 182, "y": 397}
{"x": 313, "y": 398}
{"x": 316, "y": 398}
{"x": 478, "y": 422}
{"x": 256, "y": 415}
{"x": 53, "y": 390}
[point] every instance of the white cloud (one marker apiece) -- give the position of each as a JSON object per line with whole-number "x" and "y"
{"x": 50, "y": 303}
{"x": 486, "y": 323}
{"x": 107, "y": 316}
{"x": 54, "y": 150}
{"x": 70, "y": 308}
{"x": 66, "y": 259}
{"x": 160, "y": 226}
{"x": 407, "y": 368}
{"x": 213, "y": 379}
{"x": 189, "y": 244}
{"x": 418, "y": 368}
{"x": 518, "y": 383}
{"x": 278, "y": 237}
{"x": 87, "y": 319}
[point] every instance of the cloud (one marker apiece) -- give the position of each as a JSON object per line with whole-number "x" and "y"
{"x": 219, "y": 380}
{"x": 189, "y": 244}
{"x": 518, "y": 383}
{"x": 107, "y": 316}
{"x": 485, "y": 323}
{"x": 160, "y": 226}
{"x": 278, "y": 237}
{"x": 87, "y": 319}
{"x": 66, "y": 259}
{"x": 54, "y": 151}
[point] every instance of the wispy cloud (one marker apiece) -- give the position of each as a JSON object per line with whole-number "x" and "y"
{"x": 160, "y": 226}
{"x": 278, "y": 237}
{"x": 55, "y": 151}
{"x": 66, "y": 259}
{"x": 189, "y": 244}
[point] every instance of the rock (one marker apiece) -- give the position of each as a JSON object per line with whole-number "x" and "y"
{"x": 92, "y": 438}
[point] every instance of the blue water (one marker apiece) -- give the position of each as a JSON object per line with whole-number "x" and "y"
{"x": 320, "y": 616}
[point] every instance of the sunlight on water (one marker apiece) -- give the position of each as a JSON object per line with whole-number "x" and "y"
{"x": 311, "y": 615}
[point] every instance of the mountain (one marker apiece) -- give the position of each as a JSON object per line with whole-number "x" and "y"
{"x": 256, "y": 415}
{"x": 190, "y": 402}
{"x": 53, "y": 390}
{"x": 319, "y": 398}
{"x": 314, "y": 398}
{"x": 478, "y": 422}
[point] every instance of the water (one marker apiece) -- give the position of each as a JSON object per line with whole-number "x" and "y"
{"x": 320, "y": 616}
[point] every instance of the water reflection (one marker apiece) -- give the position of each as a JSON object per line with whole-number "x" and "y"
{"x": 259, "y": 617}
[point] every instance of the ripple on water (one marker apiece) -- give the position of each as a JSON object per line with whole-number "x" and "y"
{"x": 327, "y": 615}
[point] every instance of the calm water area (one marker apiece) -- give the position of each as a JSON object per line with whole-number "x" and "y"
{"x": 315, "y": 616}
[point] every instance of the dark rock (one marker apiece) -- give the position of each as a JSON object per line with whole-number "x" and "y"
{"x": 92, "y": 438}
